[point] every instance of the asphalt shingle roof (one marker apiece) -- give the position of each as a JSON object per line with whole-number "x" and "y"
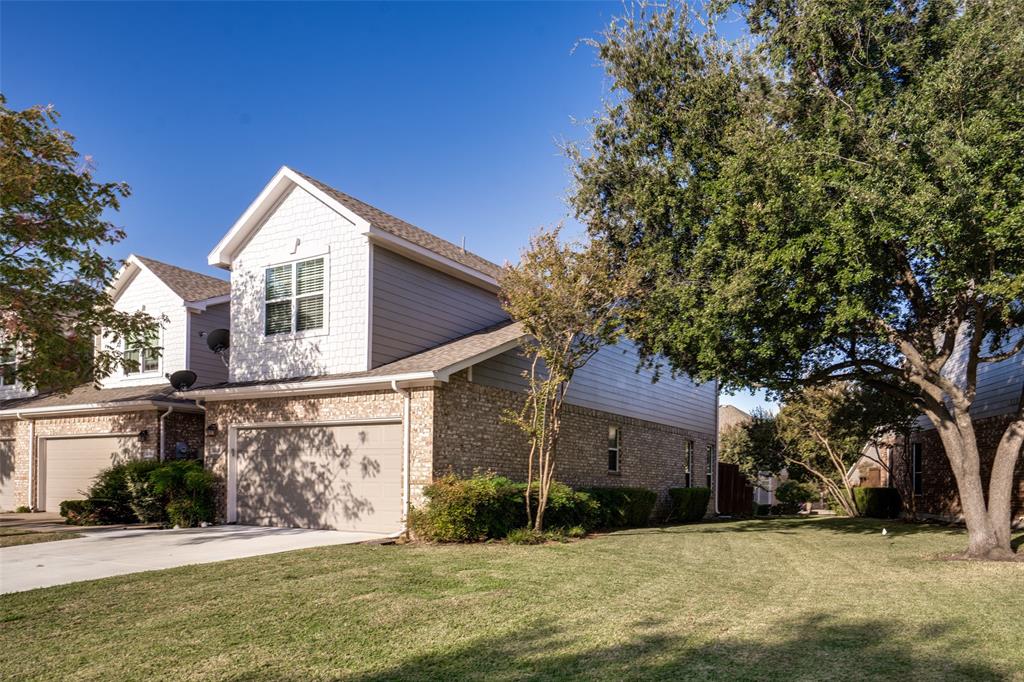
{"x": 400, "y": 228}
{"x": 190, "y": 285}
{"x": 87, "y": 394}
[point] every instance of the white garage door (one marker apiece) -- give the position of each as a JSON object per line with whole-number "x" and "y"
{"x": 345, "y": 477}
{"x": 7, "y": 475}
{"x": 69, "y": 465}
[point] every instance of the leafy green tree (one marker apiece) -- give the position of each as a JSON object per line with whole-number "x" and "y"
{"x": 53, "y": 276}
{"x": 569, "y": 306}
{"x": 837, "y": 197}
{"x": 753, "y": 446}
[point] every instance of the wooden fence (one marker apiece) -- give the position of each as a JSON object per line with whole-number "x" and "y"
{"x": 735, "y": 494}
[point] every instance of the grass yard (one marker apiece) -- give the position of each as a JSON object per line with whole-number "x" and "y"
{"x": 11, "y": 537}
{"x": 768, "y": 599}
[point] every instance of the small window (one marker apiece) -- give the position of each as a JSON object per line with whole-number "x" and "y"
{"x": 8, "y": 362}
{"x": 710, "y": 465}
{"x": 142, "y": 358}
{"x": 689, "y": 463}
{"x": 294, "y": 297}
{"x": 614, "y": 447}
{"x": 916, "y": 468}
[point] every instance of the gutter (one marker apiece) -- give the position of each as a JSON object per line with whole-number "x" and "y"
{"x": 163, "y": 432}
{"x": 310, "y": 387}
{"x": 406, "y": 458}
{"x": 87, "y": 408}
{"x": 718, "y": 444}
{"x": 31, "y": 457}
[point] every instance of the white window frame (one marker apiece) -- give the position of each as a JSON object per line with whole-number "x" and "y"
{"x": 13, "y": 363}
{"x": 690, "y": 446}
{"x": 126, "y": 347}
{"x": 295, "y": 297}
{"x": 710, "y": 467}
{"x": 617, "y": 448}
{"x": 916, "y": 469}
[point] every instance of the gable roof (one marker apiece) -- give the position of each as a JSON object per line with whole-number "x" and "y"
{"x": 434, "y": 364}
{"x": 191, "y": 286}
{"x": 400, "y": 228}
{"x": 379, "y": 226}
{"x": 88, "y": 397}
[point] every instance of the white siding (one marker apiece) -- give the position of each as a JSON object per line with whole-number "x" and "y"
{"x": 209, "y": 368}
{"x": 146, "y": 292}
{"x": 416, "y": 307}
{"x": 610, "y": 382}
{"x": 301, "y": 227}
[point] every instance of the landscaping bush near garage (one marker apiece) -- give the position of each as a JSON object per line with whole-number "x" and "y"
{"x": 486, "y": 506}
{"x": 688, "y": 504}
{"x": 878, "y": 503}
{"x": 179, "y": 492}
{"x": 623, "y": 507}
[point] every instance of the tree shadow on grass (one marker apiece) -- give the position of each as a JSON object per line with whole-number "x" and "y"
{"x": 812, "y": 648}
{"x": 792, "y": 525}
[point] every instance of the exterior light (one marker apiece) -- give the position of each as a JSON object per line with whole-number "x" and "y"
{"x": 211, "y": 430}
{"x": 143, "y": 435}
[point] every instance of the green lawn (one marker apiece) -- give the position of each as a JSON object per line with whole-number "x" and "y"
{"x": 773, "y": 599}
{"x": 11, "y": 537}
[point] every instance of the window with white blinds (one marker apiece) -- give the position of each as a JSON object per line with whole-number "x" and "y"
{"x": 142, "y": 357}
{"x": 8, "y": 364}
{"x": 294, "y": 297}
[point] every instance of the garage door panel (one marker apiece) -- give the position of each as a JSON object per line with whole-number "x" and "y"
{"x": 343, "y": 477}
{"x": 7, "y": 475}
{"x": 70, "y": 465}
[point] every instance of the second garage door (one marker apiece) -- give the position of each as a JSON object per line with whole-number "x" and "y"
{"x": 345, "y": 477}
{"x": 69, "y": 465}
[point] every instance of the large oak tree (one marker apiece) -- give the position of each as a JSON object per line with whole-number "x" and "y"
{"x": 835, "y": 197}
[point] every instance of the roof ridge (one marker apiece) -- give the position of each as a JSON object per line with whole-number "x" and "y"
{"x": 406, "y": 230}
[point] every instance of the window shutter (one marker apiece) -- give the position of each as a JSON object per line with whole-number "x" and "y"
{"x": 279, "y": 282}
{"x": 309, "y": 277}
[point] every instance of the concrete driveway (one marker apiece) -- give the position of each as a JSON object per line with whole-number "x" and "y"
{"x": 103, "y": 553}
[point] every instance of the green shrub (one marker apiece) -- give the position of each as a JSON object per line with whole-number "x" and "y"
{"x": 111, "y": 493}
{"x": 689, "y": 504}
{"x": 623, "y": 507}
{"x": 762, "y": 509}
{"x": 576, "y": 532}
{"x": 795, "y": 493}
{"x": 188, "y": 513}
{"x": 23, "y": 509}
{"x": 567, "y": 508}
{"x": 878, "y": 503}
{"x": 525, "y": 536}
{"x": 469, "y": 509}
{"x": 79, "y": 512}
{"x": 186, "y": 486}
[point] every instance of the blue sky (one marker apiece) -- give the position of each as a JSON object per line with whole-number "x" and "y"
{"x": 447, "y": 115}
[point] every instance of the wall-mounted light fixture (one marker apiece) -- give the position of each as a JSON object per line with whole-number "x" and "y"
{"x": 211, "y": 430}
{"x": 143, "y": 435}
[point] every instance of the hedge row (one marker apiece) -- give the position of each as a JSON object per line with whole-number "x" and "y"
{"x": 689, "y": 504}
{"x": 878, "y": 503}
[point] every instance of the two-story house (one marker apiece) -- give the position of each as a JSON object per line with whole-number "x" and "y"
{"x": 369, "y": 357}
{"x": 52, "y": 446}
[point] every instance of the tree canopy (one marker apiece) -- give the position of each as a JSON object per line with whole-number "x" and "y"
{"x": 836, "y": 196}
{"x": 53, "y": 273}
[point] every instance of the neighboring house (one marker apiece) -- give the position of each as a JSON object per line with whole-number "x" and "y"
{"x": 51, "y": 446}
{"x": 922, "y": 470}
{"x": 872, "y": 469}
{"x": 730, "y": 417}
{"x": 370, "y": 357}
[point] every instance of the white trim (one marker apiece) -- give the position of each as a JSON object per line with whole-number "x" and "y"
{"x": 188, "y": 339}
{"x": 447, "y": 372}
{"x": 103, "y": 408}
{"x": 226, "y": 250}
{"x": 311, "y": 387}
{"x": 369, "y": 307}
{"x": 232, "y": 454}
{"x": 201, "y": 306}
{"x": 434, "y": 259}
{"x": 325, "y": 328}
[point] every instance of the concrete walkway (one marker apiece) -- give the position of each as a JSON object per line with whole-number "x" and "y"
{"x": 104, "y": 553}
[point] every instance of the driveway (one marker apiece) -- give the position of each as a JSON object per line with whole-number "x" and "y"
{"x": 103, "y": 553}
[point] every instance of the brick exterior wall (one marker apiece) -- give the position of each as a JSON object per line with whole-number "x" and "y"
{"x": 122, "y": 422}
{"x": 187, "y": 428}
{"x": 347, "y": 406}
{"x": 939, "y": 495}
{"x": 470, "y": 436}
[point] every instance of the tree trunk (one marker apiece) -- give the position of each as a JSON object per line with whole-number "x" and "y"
{"x": 988, "y": 525}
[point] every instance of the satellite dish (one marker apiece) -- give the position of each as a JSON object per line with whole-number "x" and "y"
{"x": 218, "y": 340}
{"x": 183, "y": 379}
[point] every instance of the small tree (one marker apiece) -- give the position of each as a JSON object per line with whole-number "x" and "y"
{"x": 753, "y": 447}
{"x": 53, "y": 277}
{"x": 568, "y": 304}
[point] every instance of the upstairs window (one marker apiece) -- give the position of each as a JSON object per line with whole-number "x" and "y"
{"x": 710, "y": 465}
{"x": 916, "y": 467}
{"x": 689, "y": 463}
{"x": 142, "y": 357}
{"x": 614, "y": 448}
{"x": 294, "y": 297}
{"x": 7, "y": 366}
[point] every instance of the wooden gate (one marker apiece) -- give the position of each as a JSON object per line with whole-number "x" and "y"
{"x": 735, "y": 494}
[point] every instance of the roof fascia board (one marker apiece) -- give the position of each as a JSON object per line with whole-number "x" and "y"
{"x": 92, "y": 408}
{"x": 227, "y": 248}
{"x": 142, "y": 267}
{"x": 427, "y": 257}
{"x": 201, "y": 306}
{"x": 446, "y": 373}
{"x": 312, "y": 387}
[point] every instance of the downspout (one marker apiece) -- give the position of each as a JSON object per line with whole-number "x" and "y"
{"x": 718, "y": 444}
{"x": 406, "y": 433}
{"x": 163, "y": 432}
{"x": 31, "y": 457}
